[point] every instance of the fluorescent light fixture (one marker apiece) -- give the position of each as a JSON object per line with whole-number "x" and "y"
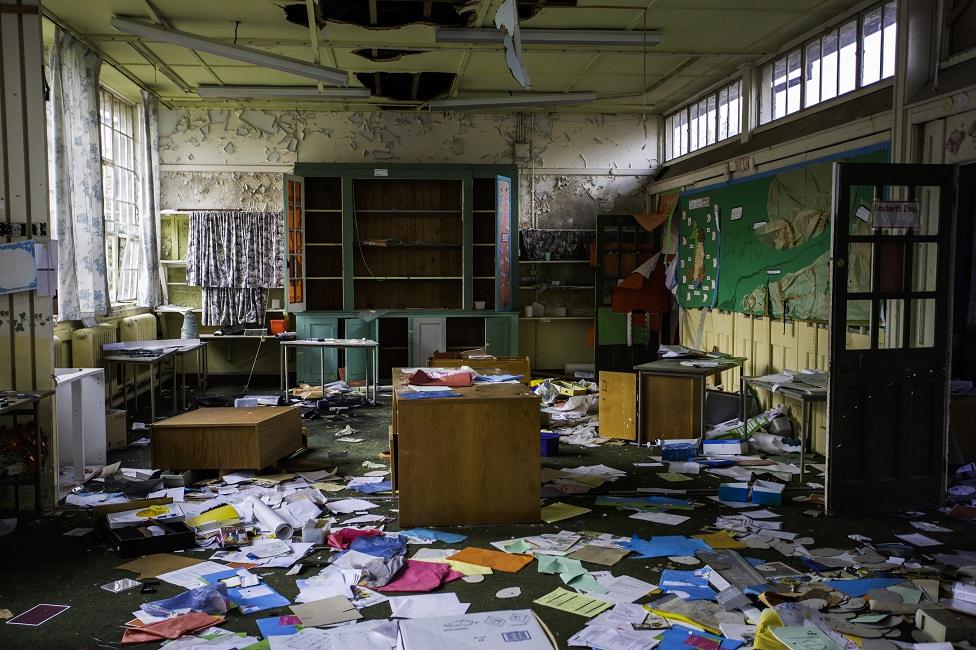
{"x": 228, "y": 51}
{"x": 282, "y": 92}
{"x": 593, "y": 37}
{"x": 513, "y": 101}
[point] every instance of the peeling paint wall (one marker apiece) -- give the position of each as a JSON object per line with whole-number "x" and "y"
{"x": 555, "y": 188}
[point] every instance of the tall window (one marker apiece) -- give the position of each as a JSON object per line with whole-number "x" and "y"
{"x": 123, "y": 252}
{"x": 716, "y": 116}
{"x": 854, "y": 54}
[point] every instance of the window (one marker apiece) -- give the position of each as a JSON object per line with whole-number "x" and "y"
{"x": 123, "y": 252}
{"x": 832, "y": 64}
{"x": 713, "y": 118}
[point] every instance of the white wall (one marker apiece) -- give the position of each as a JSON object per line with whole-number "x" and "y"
{"x": 578, "y": 165}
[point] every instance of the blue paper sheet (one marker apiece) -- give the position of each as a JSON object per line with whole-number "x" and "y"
{"x": 373, "y": 488}
{"x": 497, "y": 378}
{"x": 688, "y": 584}
{"x": 665, "y": 546}
{"x": 437, "y": 535}
{"x": 679, "y": 637}
{"x": 380, "y": 546}
{"x": 272, "y": 626}
{"x": 249, "y": 605}
{"x": 861, "y": 586}
{"x": 432, "y": 394}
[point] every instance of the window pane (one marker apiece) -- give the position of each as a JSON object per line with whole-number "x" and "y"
{"x": 779, "y": 88}
{"x": 847, "y": 65}
{"x": 812, "y": 89}
{"x": 793, "y": 82}
{"x": 766, "y": 93}
{"x": 668, "y": 138}
{"x": 871, "y": 47}
{"x": 711, "y": 116}
{"x": 888, "y": 44}
{"x": 735, "y": 103}
{"x": 684, "y": 132}
{"x": 723, "y": 114}
{"x": 828, "y": 66}
{"x": 693, "y": 122}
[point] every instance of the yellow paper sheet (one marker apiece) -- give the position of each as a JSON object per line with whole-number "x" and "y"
{"x": 559, "y": 511}
{"x": 592, "y": 481}
{"x": 721, "y": 539}
{"x": 275, "y": 478}
{"x": 573, "y": 603}
{"x": 673, "y": 477}
{"x": 221, "y": 514}
{"x": 329, "y": 487}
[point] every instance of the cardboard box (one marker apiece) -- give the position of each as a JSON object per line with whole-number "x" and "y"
{"x": 725, "y": 447}
{"x": 734, "y": 492}
{"x": 116, "y": 429}
{"x": 944, "y": 626}
{"x": 767, "y": 493}
{"x": 176, "y": 478}
{"x": 678, "y": 450}
{"x": 135, "y": 541}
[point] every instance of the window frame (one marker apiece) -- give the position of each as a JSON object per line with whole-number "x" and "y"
{"x": 684, "y": 134}
{"x": 124, "y": 259}
{"x": 830, "y": 36}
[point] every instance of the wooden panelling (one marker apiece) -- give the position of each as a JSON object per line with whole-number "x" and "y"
{"x": 26, "y": 333}
{"x": 767, "y": 349}
{"x": 670, "y": 407}
{"x": 408, "y": 294}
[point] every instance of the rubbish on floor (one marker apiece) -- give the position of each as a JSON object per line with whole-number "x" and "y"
{"x": 38, "y": 615}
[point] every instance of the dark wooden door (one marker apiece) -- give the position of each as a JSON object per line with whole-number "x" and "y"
{"x": 891, "y": 288}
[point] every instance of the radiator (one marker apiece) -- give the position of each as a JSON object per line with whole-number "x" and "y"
{"x": 62, "y": 353}
{"x": 139, "y": 328}
{"x": 86, "y": 352}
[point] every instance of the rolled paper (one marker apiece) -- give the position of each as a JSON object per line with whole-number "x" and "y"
{"x": 270, "y": 520}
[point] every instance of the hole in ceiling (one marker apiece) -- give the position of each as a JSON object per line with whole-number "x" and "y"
{"x": 298, "y": 14}
{"x": 407, "y": 86}
{"x": 385, "y": 54}
{"x": 530, "y": 8}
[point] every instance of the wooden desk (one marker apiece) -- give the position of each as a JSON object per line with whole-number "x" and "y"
{"x": 509, "y": 365}
{"x": 227, "y": 438}
{"x": 671, "y": 399}
{"x": 463, "y": 460}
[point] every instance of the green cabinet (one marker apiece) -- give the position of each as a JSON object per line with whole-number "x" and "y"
{"x": 313, "y": 365}
{"x": 356, "y": 360}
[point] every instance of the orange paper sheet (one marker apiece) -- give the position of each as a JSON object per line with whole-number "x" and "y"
{"x": 496, "y": 560}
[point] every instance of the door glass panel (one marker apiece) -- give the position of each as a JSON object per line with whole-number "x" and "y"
{"x": 891, "y": 260}
{"x": 929, "y": 202}
{"x": 859, "y": 274}
{"x": 858, "y": 324}
{"x": 925, "y": 263}
{"x": 889, "y": 324}
{"x": 862, "y": 197}
{"x": 922, "y": 323}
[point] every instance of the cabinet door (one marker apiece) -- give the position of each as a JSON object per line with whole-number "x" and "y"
{"x": 357, "y": 328}
{"x": 294, "y": 242}
{"x": 618, "y": 405}
{"x": 504, "y": 272}
{"x": 314, "y": 366}
{"x": 429, "y": 335}
{"x": 498, "y": 336}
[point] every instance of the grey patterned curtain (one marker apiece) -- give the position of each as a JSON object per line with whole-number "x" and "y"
{"x": 150, "y": 287}
{"x": 77, "y": 205}
{"x": 235, "y": 257}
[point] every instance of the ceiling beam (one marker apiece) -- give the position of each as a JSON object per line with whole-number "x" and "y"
{"x": 157, "y": 17}
{"x": 481, "y": 13}
{"x": 161, "y": 65}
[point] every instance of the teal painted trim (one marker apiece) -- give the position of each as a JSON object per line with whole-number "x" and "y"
{"x": 419, "y": 313}
{"x": 348, "y": 225}
{"x": 402, "y": 170}
{"x": 467, "y": 242}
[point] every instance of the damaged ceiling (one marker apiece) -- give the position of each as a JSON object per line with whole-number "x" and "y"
{"x": 390, "y": 47}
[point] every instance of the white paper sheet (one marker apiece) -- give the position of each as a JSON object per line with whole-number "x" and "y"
{"x": 345, "y": 506}
{"x": 660, "y": 518}
{"x": 191, "y": 576}
{"x": 427, "y": 606}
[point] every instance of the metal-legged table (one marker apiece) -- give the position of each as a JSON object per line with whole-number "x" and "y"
{"x": 202, "y": 369}
{"x": 153, "y": 362}
{"x": 373, "y": 351}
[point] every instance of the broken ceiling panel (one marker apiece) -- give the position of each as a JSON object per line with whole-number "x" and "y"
{"x": 385, "y": 54}
{"x": 405, "y": 86}
{"x": 396, "y": 13}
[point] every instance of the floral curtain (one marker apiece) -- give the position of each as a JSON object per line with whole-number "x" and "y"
{"x": 235, "y": 257}
{"x": 149, "y": 291}
{"x": 77, "y": 203}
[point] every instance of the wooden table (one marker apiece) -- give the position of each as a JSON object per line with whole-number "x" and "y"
{"x": 671, "y": 399}
{"x": 227, "y": 438}
{"x": 464, "y": 460}
{"x": 794, "y": 392}
{"x": 322, "y": 344}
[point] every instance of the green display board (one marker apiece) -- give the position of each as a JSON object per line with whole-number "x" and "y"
{"x": 761, "y": 246}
